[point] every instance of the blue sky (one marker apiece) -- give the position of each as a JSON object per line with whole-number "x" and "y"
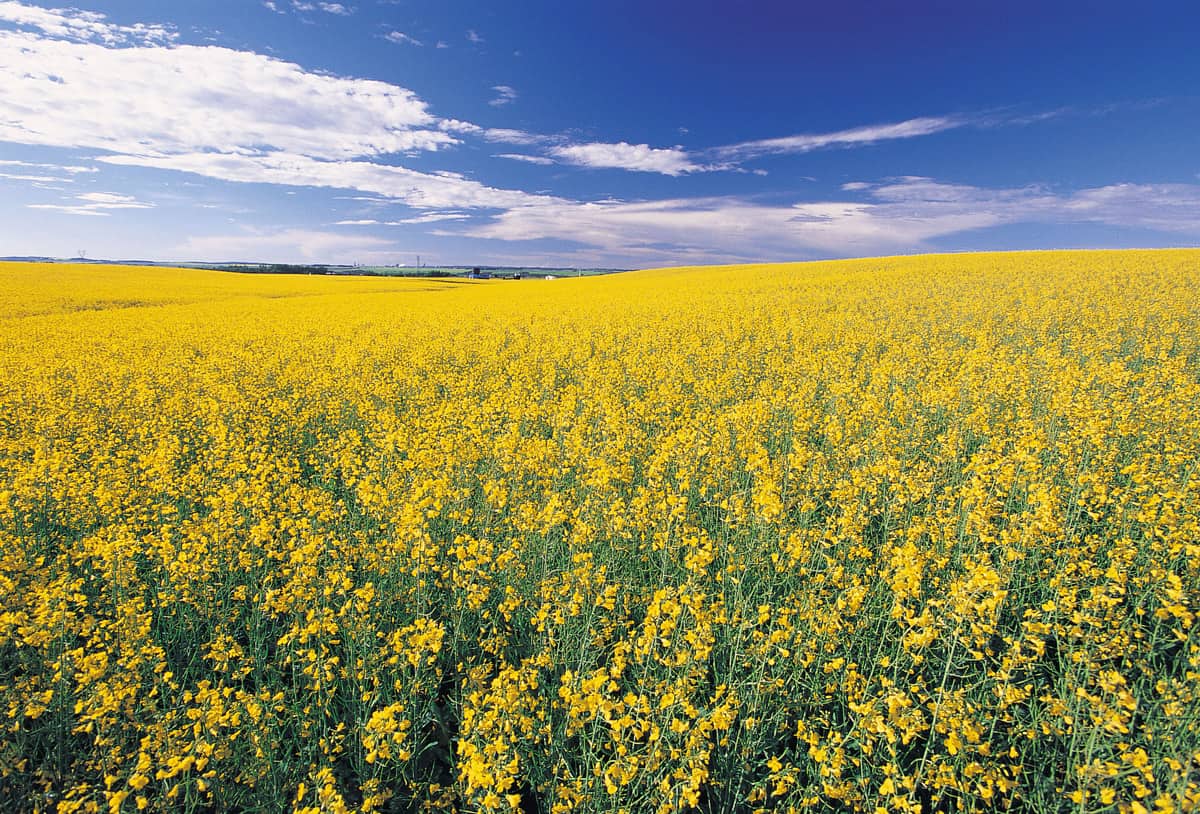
{"x": 623, "y": 133}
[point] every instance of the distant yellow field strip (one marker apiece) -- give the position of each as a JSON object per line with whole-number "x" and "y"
{"x": 46, "y": 288}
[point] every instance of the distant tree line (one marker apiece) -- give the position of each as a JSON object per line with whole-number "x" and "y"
{"x": 294, "y": 268}
{"x": 273, "y": 268}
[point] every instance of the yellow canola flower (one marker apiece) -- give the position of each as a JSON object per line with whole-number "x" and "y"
{"x": 887, "y": 534}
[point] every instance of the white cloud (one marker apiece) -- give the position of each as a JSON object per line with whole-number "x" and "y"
{"x": 270, "y": 6}
{"x": 36, "y": 179}
{"x": 400, "y": 38}
{"x": 428, "y": 217}
{"x": 95, "y": 203}
{"x": 528, "y": 159}
{"x": 25, "y": 172}
{"x": 856, "y": 136}
{"x": 441, "y": 44}
{"x": 433, "y": 217}
{"x": 678, "y": 161}
{"x": 457, "y": 126}
{"x": 111, "y": 200}
{"x": 904, "y": 216}
{"x": 73, "y": 79}
{"x": 472, "y": 36}
{"x": 291, "y": 245}
{"x": 72, "y": 169}
{"x": 82, "y": 26}
{"x": 916, "y": 188}
{"x": 504, "y": 95}
{"x": 70, "y": 210}
{"x": 1162, "y": 207}
{"x": 335, "y": 8}
{"x": 159, "y": 101}
{"x": 720, "y": 227}
{"x": 441, "y": 190}
{"x": 507, "y": 135}
{"x": 625, "y": 156}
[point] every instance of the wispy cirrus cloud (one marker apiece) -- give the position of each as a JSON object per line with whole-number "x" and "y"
{"x": 112, "y": 200}
{"x": 852, "y": 137}
{"x": 434, "y": 217}
{"x": 34, "y": 172}
{"x": 306, "y": 6}
{"x": 505, "y": 95}
{"x": 528, "y": 159}
{"x": 427, "y": 217}
{"x": 421, "y": 190}
{"x": 72, "y": 169}
{"x": 508, "y": 135}
{"x": 35, "y": 179}
{"x": 503, "y": 135}
{"x": 329, "y": 8}
{"x": 678, "y": 160}
{"x": 625, "y": 156}
{"x": 95, "y": 204}
{"x": 400, "y": 38}
{"x": 1161, "y": 207}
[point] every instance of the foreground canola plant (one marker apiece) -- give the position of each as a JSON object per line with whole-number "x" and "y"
{"x": 908, "y": 534}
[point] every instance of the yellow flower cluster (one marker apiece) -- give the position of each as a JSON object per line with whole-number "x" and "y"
{"x": 902, "y": 534}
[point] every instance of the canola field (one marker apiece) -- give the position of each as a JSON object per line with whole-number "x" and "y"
{"x": 905, "y": 534}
